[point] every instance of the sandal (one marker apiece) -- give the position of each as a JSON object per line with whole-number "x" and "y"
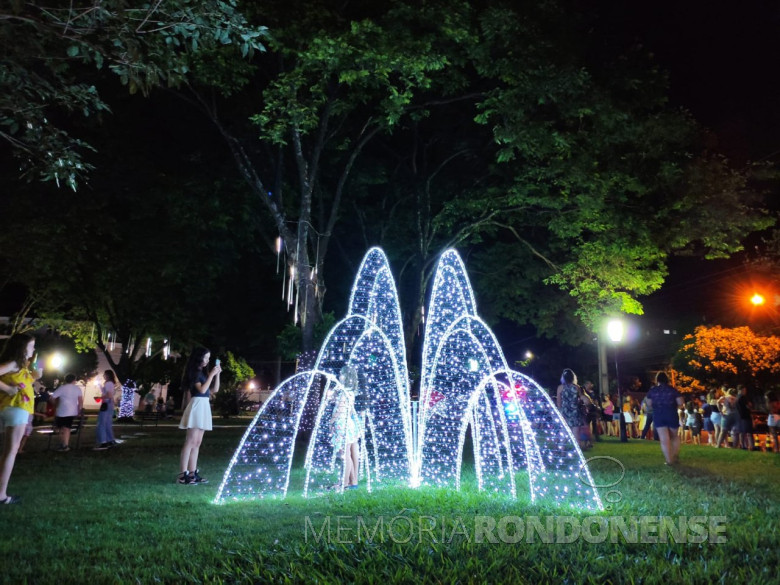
{"x": 11, "y": 500}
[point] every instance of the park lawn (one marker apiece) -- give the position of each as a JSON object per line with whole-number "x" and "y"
{"x": 118, "y": 517}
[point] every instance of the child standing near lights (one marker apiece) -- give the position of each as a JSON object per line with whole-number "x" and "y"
{"x": 196, "y": 418}
{"x": 346, "y": 426}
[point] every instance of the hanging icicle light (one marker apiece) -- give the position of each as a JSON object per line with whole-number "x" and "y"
{"x": 166, "y": 349}
{"x": 148, "y": 347}
{"x": 279, "y": 243}
{"x": 290, "y": 287}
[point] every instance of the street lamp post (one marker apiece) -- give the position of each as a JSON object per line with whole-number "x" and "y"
{"x": 615, "y": 332}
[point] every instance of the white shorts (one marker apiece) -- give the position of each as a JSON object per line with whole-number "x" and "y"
{"x": 773, "y": 420}
{"x": 197, "y": 415}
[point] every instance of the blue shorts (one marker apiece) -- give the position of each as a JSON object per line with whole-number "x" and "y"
{"x": 660, "y": 420}
{"x": 13, "y": 416}
{"x": 729, "y": 421}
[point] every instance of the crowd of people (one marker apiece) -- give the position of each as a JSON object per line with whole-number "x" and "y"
{"x": 19, "y": 404}
{"x": 724, "y": 417}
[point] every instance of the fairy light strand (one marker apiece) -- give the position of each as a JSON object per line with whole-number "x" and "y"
{"x": 465, "y": 385}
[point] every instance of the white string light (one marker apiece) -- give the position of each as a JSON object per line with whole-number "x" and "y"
{"x": 465, "y": 384}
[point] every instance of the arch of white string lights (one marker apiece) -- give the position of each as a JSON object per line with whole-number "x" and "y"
{"x": 516, "y": 430}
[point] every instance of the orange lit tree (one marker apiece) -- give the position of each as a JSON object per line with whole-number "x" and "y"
{"x": 718, "y": 355}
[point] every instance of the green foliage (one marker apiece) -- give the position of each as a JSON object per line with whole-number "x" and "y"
{"x": 148, "y": 371}
{"x": 713, "y": 356}
{"x": 607, "y": 181}
{"x": 82, "y": 333}
{"x": 567, "y": 177}
{"x": 46, "y": 53}
{"x": 134, "y": 270}
{"x": 226, "y": 401}
{"x": 289, "y": 340}
{"x": 235, "y": 371}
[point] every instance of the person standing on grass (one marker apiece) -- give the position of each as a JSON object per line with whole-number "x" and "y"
{"x": 16, "y": 403}
{"x": 648, "y": 431}
{"x": 773, "y": 418}
{"x": 104, "y": 433}
{"x": 346, "y": 427}
{"x": 569, "y": 401}
{"x": 706, "y": 417}
{"x": 728, "y": 408}
{"x": 715, "y": 415}
{"x": 69, "y": 401}
{"x": 608, "y": 408}
{"x": 693, "y": 422}
{"x": 594, "y": 410}
{"x": 744, "y": 430}
{"x": 196, "y": 418}
{"x": 665, "y": 400}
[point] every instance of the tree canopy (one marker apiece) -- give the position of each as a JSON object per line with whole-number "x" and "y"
{"x": 713, "y": 356}
{"x": 46, "y": 50}
{"x": 514, "y": 132}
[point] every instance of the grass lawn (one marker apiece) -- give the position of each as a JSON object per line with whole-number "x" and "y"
{"x": 118, "y": 517}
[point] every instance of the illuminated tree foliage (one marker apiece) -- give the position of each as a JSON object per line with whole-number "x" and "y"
{"x": 718, "y": 355}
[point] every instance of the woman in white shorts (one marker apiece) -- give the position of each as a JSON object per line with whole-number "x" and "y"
{"x": 197, "y": 385}
{"x": 715, "y": 417}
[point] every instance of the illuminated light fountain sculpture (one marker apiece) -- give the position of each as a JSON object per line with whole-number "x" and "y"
{"x": 516, "y": 430}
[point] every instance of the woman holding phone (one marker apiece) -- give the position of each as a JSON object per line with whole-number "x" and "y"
{"x": 197, "y": 385}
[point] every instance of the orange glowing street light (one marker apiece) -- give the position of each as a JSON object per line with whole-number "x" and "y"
{"x": 757, "y": 299}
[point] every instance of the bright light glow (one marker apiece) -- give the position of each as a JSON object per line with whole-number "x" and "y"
{"x": 757, "y": 299}
{"x": 615, "y": 330}
{"x": 465, "y": 386}
{"x": 529, "y": 355}
{"x": 56, "y": 361}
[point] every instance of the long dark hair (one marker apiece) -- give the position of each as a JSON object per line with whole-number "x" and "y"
{"x": 568, "y": 377}
{"x": 15, "y": 349}
{"x": 110, "y": 376}
{"x": 193, "y": 368}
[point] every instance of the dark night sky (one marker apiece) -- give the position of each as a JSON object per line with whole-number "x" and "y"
{"x": 723, "y": 58}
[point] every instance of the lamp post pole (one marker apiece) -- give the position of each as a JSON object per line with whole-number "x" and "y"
{"x": 623, "y": 433}
{"x": 615, "y": 331}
